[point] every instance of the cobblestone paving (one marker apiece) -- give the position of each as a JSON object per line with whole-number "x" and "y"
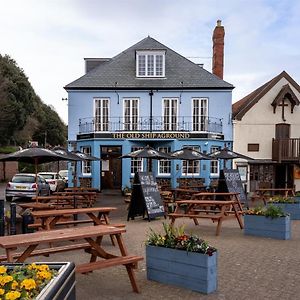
{"x": 248, "y": 267}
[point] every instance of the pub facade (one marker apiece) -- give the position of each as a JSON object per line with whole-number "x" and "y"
{"x": 149, "y": 95}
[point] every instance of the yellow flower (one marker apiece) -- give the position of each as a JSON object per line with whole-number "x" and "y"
{"x": 3, "y": 269}
{"x": 43, "y": 268}
{"x": 12, "y": 295}
{"x": 44, "y": 275}
{"x": 14, "y": 285}
{"x": 2, "y": 291}
{"x": 29, "y": 284}
{"x": 5, "y": 279}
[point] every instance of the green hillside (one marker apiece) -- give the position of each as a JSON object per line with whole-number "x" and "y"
{"x": 23, "y": 116}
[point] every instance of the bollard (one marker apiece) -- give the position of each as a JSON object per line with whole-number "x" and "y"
{"x": 2, "y": 218}
{"x": 26, "y": 220}
{"x": 13, "y": 219}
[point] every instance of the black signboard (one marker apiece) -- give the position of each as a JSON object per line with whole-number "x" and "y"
{"x": 145, "y": 197}
{"x": 230, "y": 181}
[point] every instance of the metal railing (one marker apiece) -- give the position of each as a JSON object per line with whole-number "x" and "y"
{"x": 118, "y": 124}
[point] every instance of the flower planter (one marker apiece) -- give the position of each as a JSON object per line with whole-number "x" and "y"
{"x": 190, "y": 270}
{"x": 291, "y": 208}
{"x": 277, "y": 228}
{"x": 61, "y": 287}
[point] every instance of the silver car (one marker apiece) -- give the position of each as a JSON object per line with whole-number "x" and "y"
{"x": 24, "y": 185}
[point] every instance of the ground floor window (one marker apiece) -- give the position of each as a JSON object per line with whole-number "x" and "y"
{"x": 164, "y": 165}
{"x": 191, "y": 167}
{"x": 86, "y": 165}
{"x": 214, "y": 163}
{"x": 136, "y": 163}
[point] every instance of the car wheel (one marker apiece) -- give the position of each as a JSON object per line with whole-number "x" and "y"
{"x": 9, "y": 198}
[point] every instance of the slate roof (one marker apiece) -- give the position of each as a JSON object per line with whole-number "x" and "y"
{"x": 122, "y": 69}
{"x": 240, "y": 108}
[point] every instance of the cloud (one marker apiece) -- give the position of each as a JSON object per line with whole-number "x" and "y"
{"x": 49, "y": 39}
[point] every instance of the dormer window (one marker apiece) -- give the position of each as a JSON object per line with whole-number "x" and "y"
{"x": 150, "y": 63}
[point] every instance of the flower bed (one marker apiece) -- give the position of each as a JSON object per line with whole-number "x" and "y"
{"x": 36, "y": 281}
{"x": 182, "y": 260}
{"x": 270, "y": 221}
{"x": 290, "y": 205}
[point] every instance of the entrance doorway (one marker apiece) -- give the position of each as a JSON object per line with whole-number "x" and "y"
{"x": 111, "y": 167}
{"x": 284, "y": 176}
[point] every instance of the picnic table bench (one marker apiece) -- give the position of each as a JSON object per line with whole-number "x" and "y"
{"x": 215, "y": 210}
{"x": 264, "y": 194}
{"x": 93, "y": 235}
{"x": 86, "y": 198}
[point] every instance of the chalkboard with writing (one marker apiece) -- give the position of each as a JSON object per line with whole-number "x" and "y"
{"x": 145, "y": 197}
{"x": 230, "y": 181}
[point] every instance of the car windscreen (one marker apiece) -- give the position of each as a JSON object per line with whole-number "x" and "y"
{"x": 63, "y": 173}
{"x": 47, "y": 176}
{"x": 23, "y": 179}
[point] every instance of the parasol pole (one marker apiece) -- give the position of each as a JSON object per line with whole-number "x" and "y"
{"x": 36, "y": 179}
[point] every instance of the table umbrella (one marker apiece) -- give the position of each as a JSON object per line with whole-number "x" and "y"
{"x": 84, "y": 156}
{"x": 147, "y": 152}
{"x": 189, "y": 154}
{"x": 34, "y": 156}
{"x": 71, "y": 155}
{"x": 226, "y": 154}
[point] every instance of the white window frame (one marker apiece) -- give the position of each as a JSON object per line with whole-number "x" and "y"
{"x": 133, "y": 121}
{"x": 170, "y": 121}
{"x": 101, "y": 114}
{"x": 200, "y": 114}
{"x": 139, "y": 167}
{"x": 86, "y": 165}
{"x": 214, "y": 167}
{"x": 164, "y": 163}
{"x": 191, "y": 164}
{"x": 151, "y": 68}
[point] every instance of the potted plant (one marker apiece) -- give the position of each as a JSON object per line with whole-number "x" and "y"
{"x": 290, "y": 205}
{"x": 176, "y": 258}
{"x": 270, "y": 221}
{"x": 38, "y": 281}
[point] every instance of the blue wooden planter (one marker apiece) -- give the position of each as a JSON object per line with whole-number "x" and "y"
{"x": 291, "y": 208}
{"x": 190, "y": 270}
{"x": 61, "y": 287}
{"x": 277, "y": 228}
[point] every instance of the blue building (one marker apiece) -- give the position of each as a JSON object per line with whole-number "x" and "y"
{"x": 149, "y": 95}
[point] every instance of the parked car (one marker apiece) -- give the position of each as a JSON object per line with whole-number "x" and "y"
{"x": 64, "y": 174}
{"x": 24, "y": 185}
{"x": 56, "y": 182}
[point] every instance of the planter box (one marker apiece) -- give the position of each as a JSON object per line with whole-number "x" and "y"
{"x": 190, "y": 270}
{"x": 277, "y": 228}
{"x": 291, "y": 208}
{"x": 62, "y": 287}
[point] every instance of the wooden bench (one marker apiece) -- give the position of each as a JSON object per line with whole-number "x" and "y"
{"x": 215, "y": 210}
{"x": 93, "y": 235}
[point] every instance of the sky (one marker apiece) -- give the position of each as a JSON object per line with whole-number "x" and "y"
{"x": 49, "y": 39}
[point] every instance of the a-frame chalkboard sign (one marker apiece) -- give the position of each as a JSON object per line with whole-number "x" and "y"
{"x": 230, "y": 181}
{"x": 145, "y": 197}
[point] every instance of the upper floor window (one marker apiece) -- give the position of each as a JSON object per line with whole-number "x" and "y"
{"x": 150, "y": 63}
{"x": 131, "y": 114}
{"x": 200, "y": 114}
{"x": 101, "y": 114}
{"x": 170, "y": 112}
{"x": 86, "y": 164}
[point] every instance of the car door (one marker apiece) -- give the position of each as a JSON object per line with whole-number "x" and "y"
{"x": 43, "y": 186}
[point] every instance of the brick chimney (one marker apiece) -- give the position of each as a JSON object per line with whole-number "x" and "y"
{"x": 218, "y": 50}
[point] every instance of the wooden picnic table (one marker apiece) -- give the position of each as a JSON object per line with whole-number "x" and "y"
{"x": 93, "y": 236}
{"x": 264, "y": 194}
{"x": 81, "y": 189}
{"x": 228, "y": 196}
{"x": 88, "y": 197}
{"x": 215, "y": 210}
{"x": 34, "y": 206}
{"x": 182, "y": 193}
{"x": 48, "y": 219}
